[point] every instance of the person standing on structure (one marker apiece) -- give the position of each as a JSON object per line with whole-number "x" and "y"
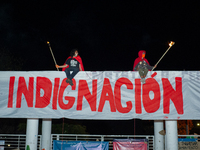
{"x": 73, "y": 63}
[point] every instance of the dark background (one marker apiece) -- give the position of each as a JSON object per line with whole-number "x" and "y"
{"x": 108, "y": 35}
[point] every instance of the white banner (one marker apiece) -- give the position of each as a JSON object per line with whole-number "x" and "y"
{"x": 99, "y": 95}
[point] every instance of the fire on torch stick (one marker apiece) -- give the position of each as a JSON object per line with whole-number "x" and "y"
{"x": 52, "y": 54}
{"x": 170, "y": 45}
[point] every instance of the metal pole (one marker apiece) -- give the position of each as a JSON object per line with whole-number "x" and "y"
{"x": 46, "y": 134}
{"x": 171, "y": 135}
{"x": 158, "y": 137}
{"x": 170, "y": 45}
{"x": 32, "y": 133}
{"x": 52, "y": 54}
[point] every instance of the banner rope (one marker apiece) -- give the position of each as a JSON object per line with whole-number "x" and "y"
{"x": 134, "y": 128}
{"x": 62, "y": 131}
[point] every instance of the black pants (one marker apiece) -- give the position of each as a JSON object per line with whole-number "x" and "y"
{"x": 74, "y": 72}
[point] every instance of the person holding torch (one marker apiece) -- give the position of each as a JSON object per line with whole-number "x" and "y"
{"x": 142, "y": 65}
{"x": 73, "y": 63}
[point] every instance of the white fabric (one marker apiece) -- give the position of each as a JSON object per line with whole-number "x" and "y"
{"x": 100, "y": 95}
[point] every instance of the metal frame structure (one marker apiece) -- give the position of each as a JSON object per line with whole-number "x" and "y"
{"x": 107, "y": 138}
{"x": 18, "y": 141}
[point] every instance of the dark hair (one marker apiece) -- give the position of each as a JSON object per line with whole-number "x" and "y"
{"x": 73, "y": 52}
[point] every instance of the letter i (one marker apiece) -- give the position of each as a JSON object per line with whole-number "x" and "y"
{"x": 55, "y": 92}
{"x": 11, "y": 89}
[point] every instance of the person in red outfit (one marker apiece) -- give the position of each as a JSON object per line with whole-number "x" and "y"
{"x": 73, "y": 63}
{"x": 142, "y": 65}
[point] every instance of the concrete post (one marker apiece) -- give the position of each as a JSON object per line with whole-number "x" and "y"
{"x": 32, "y": 134}
{"x": 171, "y": 135}
{"x": 159, "y": 135}
{"x": 46, "y": 134}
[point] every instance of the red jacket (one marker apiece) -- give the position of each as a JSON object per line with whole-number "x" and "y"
{"x": 78, "y": 58}
{"x": 137, "y": 60}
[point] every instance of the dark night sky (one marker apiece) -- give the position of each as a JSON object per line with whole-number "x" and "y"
{"x": 108, "y": 34}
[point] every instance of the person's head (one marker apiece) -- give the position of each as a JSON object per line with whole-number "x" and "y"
{"x": 74, "y": 53}
{"x": 142, "y": 53}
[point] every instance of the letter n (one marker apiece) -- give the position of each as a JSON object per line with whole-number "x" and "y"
{"x": 83, "y": 91}
{"x": 175, "y": 95}
{"x": 28, "y": 92}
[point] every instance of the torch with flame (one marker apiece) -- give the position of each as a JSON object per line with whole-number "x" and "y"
{"x": 52, "y": 54}
{"x": 170, "y": 45}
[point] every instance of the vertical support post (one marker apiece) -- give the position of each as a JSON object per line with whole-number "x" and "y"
{"x": 102, "y": 138}
{"x": 32, "y": 133}
{"x": 159, "y": 135}
{"x": 187, "y": 128}
{"x": 171, "y": 135}
{"x": 46, "y": 134}
{"x": 57, "y": 137}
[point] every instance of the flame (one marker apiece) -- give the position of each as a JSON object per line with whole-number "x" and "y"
{"x": 171, "y": 43}
{"x": 47, "y": 42}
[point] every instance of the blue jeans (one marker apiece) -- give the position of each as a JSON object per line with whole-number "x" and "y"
{"x": 74, "y": 72}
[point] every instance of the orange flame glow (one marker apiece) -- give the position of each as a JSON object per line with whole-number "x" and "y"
{"x": 171, "y": 43}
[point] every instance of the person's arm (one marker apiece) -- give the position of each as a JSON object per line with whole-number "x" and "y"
{"x": 80, "y": 67}
{"x": 154, "y": 67}
{"x": 136, "y": 67}
{"x": 62, "y": 66}
{"x": 149, "y": 67}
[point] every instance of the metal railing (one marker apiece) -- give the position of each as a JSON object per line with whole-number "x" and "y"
{"x": 18, "y": 142}
{"x": 15, "y": 141}
{"x": 107, "y": 138}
